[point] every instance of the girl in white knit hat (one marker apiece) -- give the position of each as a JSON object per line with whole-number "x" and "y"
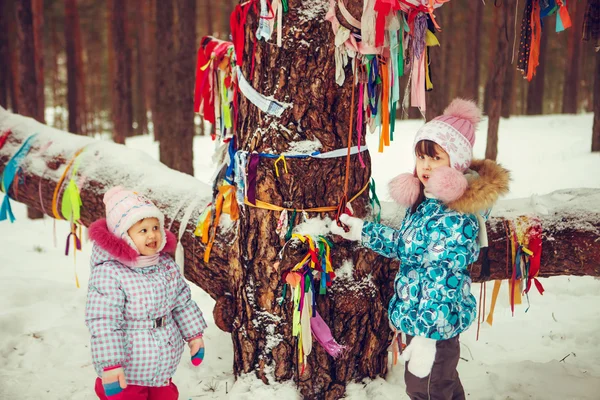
{"x": 139, "y": 309}
{"x": 447, "y": 197}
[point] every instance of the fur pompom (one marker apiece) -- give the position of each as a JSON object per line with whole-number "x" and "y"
{"x": 405, "y": 189}
{"x": 464, "y": 109}
{"x": 171, "y": 243}
{"x": 447, "y": 184}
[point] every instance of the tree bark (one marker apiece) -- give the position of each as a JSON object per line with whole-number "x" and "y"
{"x": 473, "y": 51}
{"x": 121, "y": 84}
{"x": 435, "y": 98}
{"x": 28, "y": 74}
{"x": 535, "y": 94}
{"x": 496, "y": 84}
{"x": 492, "y": 57}
{"x": 448, "y": 54}
{"x": 141, "y": 77}
{"x": 596, "y": 126}
{"x": 165, "y": 79}
{"x": 246, "y": 289}
{"x": 208, "y": 17}
{"x": 38, "y": 44}
{"x": 320, "y": 111}
{"x": 75, "y": 97}
{"x": 572, "y": 72}
{"x": 4, "y": 54}
{"x": 149, "y": 48}
{"x": 182, "y": 139}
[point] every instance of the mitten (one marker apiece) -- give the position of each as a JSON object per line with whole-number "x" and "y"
{"x": 355, "y": 225}
{"x": 420, "y": 355}
{"x": 113, "y": 380}
{"x": 197, "y": 350}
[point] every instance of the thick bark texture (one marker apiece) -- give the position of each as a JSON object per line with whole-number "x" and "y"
{"x": 596, "y": 127}
{"x": 573, "y": 66}
{"x": 241, "y": 275}
{"x": 4, "y": 54}
{"x": 473, "y": 53}
{"x": 121, "y": 84}
{"x": 73, "y": 91}
{"x": 165, "y": 79}
{"x": 181, "y": 140}
{"x": 303, "y": 74}
{"x": 535, "y": 94}
{"x": 497, "y": 78}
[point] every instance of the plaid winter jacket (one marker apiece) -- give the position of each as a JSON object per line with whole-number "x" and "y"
{"x": 139, "y": 318}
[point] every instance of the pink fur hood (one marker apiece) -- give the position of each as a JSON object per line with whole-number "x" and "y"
{"x": 117, "y": 247}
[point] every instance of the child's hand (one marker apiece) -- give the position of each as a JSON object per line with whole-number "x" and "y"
{"x": 355, "y": 225}
{"x": 197, "y": 350}
{"x": 113, "y": 380}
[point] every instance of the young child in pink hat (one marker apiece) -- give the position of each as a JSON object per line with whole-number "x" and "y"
{"x": 447, "y": 196}
{"x": 139, "y": 309}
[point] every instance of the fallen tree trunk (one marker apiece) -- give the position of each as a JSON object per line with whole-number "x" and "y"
{"x": 569, "y": 218}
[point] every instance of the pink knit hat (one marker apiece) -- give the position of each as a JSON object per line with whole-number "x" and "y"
{"x": 125, "y": 208}
{"x": 454, "y": 131}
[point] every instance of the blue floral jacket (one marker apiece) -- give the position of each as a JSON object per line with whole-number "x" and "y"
{"x": 435, "y": 245}
{"x": 432, "y": 290}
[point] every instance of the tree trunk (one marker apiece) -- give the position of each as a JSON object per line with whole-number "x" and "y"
{"x": 181, "y": 142}
{"x": 38, "y": 44}
{"x": 121, "y": 84}
{"x": 572, "y": 72}
{"x": 473, "y": 51}
{"x": 492, "y": 57}
{"x": 448, "y": 54}
{"x": 496, "y": 83}
{"x": 165, "y": 79}
{"x": 141, "y": 58}
{"x": 28, "y": 75}
{"x": 535, "y": 94}
{"x": 435, "y": 98}
{"x": 4, "y": 54}
{"x": 508, "y": 92}
{"x": 73, "y": 91}
{"x": 596, "y": 127}
{"x": 207, "y": 12}
{"x": 241, "y": 276}
{"x": 149, "y": 48}
{"x": 321, "y": 111}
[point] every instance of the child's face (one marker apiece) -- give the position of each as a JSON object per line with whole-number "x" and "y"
{"x": 146, "y": 235}
{"x": 427, "y": 163}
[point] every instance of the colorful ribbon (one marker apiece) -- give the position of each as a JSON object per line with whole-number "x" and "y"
{"x": 8, "y": 177}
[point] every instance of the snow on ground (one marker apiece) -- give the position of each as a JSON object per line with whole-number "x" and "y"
{"x": 44, "y": 344}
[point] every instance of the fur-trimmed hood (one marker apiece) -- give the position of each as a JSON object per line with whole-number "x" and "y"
{"x": 475, "y": 191}
{"x": 119, "y": 248}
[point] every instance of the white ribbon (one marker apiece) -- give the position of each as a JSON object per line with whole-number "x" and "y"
{"x": 269, "y": 106}
{"x": 179, "y": 251}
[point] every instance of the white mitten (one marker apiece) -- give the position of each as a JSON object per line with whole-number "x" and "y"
{"x": 355, "y": 225}
{"x": 420, "y": 355}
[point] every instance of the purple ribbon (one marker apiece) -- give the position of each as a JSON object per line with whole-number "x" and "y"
{"x": 77, "y": 243}
{"x": 252, "y": 169}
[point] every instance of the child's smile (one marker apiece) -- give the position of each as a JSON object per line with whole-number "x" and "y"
{"x": 146, "y": 236}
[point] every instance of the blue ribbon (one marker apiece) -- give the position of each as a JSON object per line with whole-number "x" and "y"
{"x": 229, "y": 174}
{"x": 8, "y": 177}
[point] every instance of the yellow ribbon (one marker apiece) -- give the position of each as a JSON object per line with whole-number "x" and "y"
{"x": 268, "y": 206}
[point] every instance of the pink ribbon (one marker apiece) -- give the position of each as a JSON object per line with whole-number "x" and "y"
{"x": 323, "y": 335}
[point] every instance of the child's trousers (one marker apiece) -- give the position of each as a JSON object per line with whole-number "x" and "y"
{"x": 133, "y": 392}
{"x": 443, "y": 382}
